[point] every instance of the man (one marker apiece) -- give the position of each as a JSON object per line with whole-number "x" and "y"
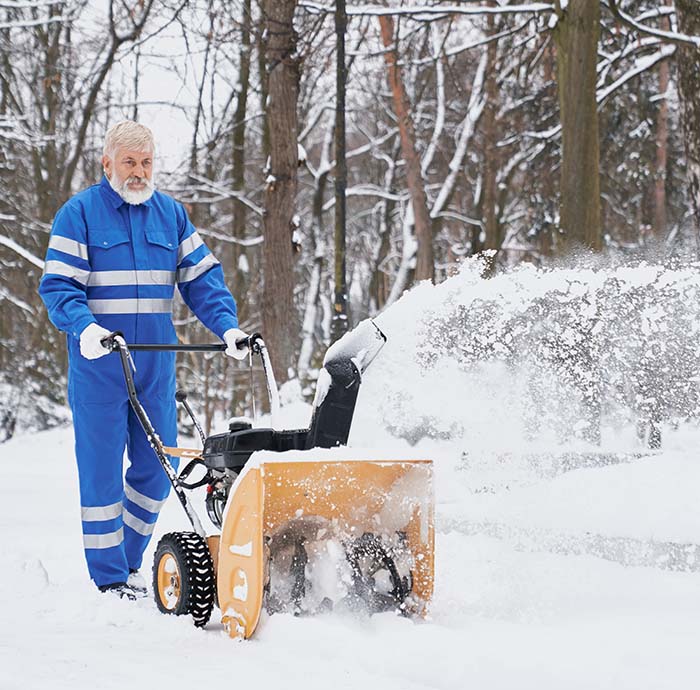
{"x": 116, "y": 251}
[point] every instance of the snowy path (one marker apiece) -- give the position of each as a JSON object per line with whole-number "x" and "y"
{"x": 508, "y": 612}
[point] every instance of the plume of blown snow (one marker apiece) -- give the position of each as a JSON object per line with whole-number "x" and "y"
{"x": 534, "y": 357}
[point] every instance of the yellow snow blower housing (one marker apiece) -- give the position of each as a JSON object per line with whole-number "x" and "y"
{"x": 307, "y": 524}
{"x": 307, "y": 535}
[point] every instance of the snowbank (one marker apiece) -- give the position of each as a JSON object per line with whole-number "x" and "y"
{"x": 538, "y": 547}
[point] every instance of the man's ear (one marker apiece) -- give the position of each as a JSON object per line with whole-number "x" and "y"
{"x": 107, "y": 166}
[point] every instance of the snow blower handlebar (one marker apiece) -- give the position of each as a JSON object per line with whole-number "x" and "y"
{"x": 115, "y": 342}
{"x": 253, "y": 341}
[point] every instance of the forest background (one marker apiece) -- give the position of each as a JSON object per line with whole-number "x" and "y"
{"x": 554, "y": 133}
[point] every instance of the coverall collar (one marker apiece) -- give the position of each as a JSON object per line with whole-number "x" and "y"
{"x": 112, "y": 196}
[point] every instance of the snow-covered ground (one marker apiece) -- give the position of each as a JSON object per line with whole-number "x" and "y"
{"x": 556, "y": 567}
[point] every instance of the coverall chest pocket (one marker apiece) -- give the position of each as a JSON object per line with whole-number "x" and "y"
{"x": 108, "y": 248}
{"x": 162, "y": 248}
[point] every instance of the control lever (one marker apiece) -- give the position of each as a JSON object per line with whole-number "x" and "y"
{"x": 181, "y": 397}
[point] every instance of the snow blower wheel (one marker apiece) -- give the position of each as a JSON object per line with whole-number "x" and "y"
{"x": 183, "y": 577}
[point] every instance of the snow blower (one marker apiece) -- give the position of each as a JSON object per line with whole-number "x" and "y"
{"x": 306, "y": 524}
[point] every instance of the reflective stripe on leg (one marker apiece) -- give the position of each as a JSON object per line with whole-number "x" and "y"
{"x": 143, "y": 501}
{"x": 100, "y": 438}
{"x": 138, "y": 525}
{"x": 103, "y": 541}
{"x": 97, "y": 513}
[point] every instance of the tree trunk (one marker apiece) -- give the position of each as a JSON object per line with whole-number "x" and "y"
{"x": 197, "y": 212}
{"x": 661, "y": 156}
{"x": 48, "y": 194}
{"x": 425, "y": 264}
{"x": 660, "y": 220}
{"x": 309, "y": 322}
{"x": 279, "y": 313}
{"x": 239, "y": 226}
{"x": 339, "y": 324}
{"x": 239, "y": 128}
{"x": 688, "y": 12}
{"x": 577, "y": 34}
{"x": 264, "y": 80}
{"x": 492, "y": 231}
{"x": 378, "y": 286}
{"x": 549, "y": 185}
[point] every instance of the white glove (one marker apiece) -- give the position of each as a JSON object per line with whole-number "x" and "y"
{"x": 233, "y": 350}
{"x": 90, "y": 345}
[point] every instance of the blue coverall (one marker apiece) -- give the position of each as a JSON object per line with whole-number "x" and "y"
{"x": 117, "y": 264}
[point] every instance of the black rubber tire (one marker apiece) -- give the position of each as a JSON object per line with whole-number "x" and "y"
{"x": 197, "y": 584}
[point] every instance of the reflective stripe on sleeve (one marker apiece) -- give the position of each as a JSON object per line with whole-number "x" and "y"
{"x": 103, "y": 541}
{"x": 191, "y": 272}
{"x": 138, "y": 525}
{"x": 149, "y": 504}
{"x": 63, "y": 244}
{"x": 61, "y": 268}
{"x": 140, "y": 305}
{"x": 188, "y": 246}
{"x": 97, "y": 513}
{"x": 112, "y": 278}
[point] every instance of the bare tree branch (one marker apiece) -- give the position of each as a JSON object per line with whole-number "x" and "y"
{"x": 18, "y": 249}
{"x": 88, "y": 108}
{"x": 669, "y": 36}
{"x": 438, "y": 11}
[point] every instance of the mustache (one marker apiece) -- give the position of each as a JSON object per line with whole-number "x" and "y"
{"x": 135, "y": 178}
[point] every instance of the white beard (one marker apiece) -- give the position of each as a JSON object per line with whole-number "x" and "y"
{"x": 132, "y": 197}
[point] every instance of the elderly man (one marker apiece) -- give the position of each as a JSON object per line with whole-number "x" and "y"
{"x": 116, "y": 251}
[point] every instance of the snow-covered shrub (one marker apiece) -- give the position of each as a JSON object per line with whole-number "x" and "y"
{"x": 24, "y": 408}
{"x": 583, "y": 343}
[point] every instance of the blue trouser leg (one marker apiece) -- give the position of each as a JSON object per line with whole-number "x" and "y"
{"x": 100, "y": 438}
{"x": 146, "y": 485}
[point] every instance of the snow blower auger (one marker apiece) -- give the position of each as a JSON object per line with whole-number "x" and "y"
{"x": 307, "y": 525}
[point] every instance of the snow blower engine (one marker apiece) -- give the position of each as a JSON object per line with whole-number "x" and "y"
{"x": 307, "y": 524}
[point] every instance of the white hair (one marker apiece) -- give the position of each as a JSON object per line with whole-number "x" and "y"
{"x": 128, "y": 134}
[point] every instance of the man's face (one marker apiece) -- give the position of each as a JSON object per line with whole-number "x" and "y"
{"x": 130, "y": 174}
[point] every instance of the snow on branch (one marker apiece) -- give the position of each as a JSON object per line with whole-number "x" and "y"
{"x": 314, "y": 119}
{"x": 373, "y": 190}
{"x": 603, "y": 92}
{"x": 11, "y": 244}
{"x": 475, "y": 107}
{"x": 368, "y": 190}
{"x": 5, "y": 294}
{"x": 221, "y": 237}
{"x": 327, "y": 165}
{"x": 640, "y": 65}
{"x": 630, "y": 49}
{"x": 440, "y": 96}
{"x": 656, "y": 13}
{"x": 210, "y": 187}
{"x": 433, "y": 11}
{"x": 409, "y": 248}
{"x": 457, "y": 50}
{"x": 10, "y": 130}
{"x": 372, "y": 144}
{"x": 29, "y": 5}
{"x": 28, "y": 23}
{"x": 670, "y": 36}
